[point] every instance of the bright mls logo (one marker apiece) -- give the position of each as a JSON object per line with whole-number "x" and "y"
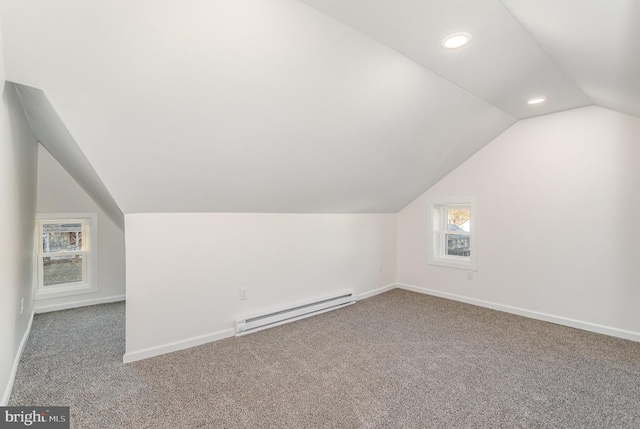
{"x": 34, "y": 417}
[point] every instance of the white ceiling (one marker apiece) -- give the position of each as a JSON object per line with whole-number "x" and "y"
{"x": 332, "y": 106}
{"x": 595, "y": 42}
{"x": 575, "y": 52}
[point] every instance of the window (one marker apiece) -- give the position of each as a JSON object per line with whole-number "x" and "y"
{"x": 452, "y": 238}
{"x": 66, "y": 254}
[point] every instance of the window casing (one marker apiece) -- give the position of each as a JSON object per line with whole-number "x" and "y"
{"x": 452, "y": 233}
{"x": 66, "y": 254}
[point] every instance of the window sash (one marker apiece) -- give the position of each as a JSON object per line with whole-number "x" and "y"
{"x": 462, "y": 255}
{"x": 445, "y": 233}
{"x": 83, "y": 281}
{"x": 42, "y": 223}
{"x": 69, "y": 273}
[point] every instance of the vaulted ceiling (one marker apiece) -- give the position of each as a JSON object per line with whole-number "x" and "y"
{"x": 323, "y": 106}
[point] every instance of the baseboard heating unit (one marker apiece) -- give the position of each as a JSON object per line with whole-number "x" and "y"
{"x": 257, "y": 323}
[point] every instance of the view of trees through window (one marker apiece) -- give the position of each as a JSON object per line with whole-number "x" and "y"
{"x": 459, "y": 217}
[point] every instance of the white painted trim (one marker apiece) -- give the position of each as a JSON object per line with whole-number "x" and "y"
{"x": 214, "y": 336}
{"x": 434, "y": 256}
{"x": 369, "y": 294}
{"x": 176, "y": 346}
{"x": 75, "y": 304}
{"x": 560, "y": 320}
{"x": 16, "y": 362}
{"x": 89, "y": 221}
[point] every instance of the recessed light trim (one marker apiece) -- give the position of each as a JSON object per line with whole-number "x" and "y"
{"x": 536, "y": 100}
{"x": 456, "y": 40}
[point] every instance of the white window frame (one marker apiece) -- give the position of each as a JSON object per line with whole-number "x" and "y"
{"x": 437, "y": 230}
{"x": 89, "y": 254}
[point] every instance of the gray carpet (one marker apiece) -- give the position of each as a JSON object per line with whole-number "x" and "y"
{"x": 397, "y": 360}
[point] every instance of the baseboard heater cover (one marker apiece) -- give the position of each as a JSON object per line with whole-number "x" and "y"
{"x": 248, "y": 325}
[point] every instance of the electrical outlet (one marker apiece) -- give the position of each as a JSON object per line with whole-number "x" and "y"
{"x": 21, "y": 305}
{"x": 380, "y": 266}
{"x": 470, "y": 275}
{"x": 243, "y": 293}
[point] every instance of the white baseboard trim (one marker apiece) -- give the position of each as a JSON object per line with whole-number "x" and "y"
{"x": 176, "y": 346}
{"x": 375, "y": 292}
{"x": 75, "y": 304}
{"x": 559, "y": 320}
{"x": 16, "y": 362}
{"x": 214, "y": 336}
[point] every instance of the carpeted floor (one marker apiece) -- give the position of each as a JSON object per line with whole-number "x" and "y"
{"x": 397, "y": 360}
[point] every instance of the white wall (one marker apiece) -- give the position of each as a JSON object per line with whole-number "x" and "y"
{"x": 18, "y": 159}
{"x": 558, "y": 199}
{"x": 59, "y": 193}
{"x": 184, "y": 271}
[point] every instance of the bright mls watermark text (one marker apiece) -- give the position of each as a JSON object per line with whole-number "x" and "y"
{"x": 34, "y": 417}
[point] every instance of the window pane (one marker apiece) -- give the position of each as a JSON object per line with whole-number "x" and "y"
{"x": 61, "y": 237}
{"x": 458, "y": 245}
{"x": 458, "y": 219}
{"x": 453, "y": 237}
{"x": 62, "y": 269}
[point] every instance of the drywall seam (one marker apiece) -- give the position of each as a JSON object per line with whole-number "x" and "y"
{"x": 565, "y": 321}
{"x": 16, "y": 362}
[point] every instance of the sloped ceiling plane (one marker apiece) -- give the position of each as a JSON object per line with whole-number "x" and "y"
{"x": 310, "y": 106}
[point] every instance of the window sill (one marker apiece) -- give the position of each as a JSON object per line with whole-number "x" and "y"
{"x": 64, "y": 290}
{"x": 452, "y": 263}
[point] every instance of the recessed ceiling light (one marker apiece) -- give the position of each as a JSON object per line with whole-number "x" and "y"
{"x": 537, "y": 100}
{"x": 456, "y": 40}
